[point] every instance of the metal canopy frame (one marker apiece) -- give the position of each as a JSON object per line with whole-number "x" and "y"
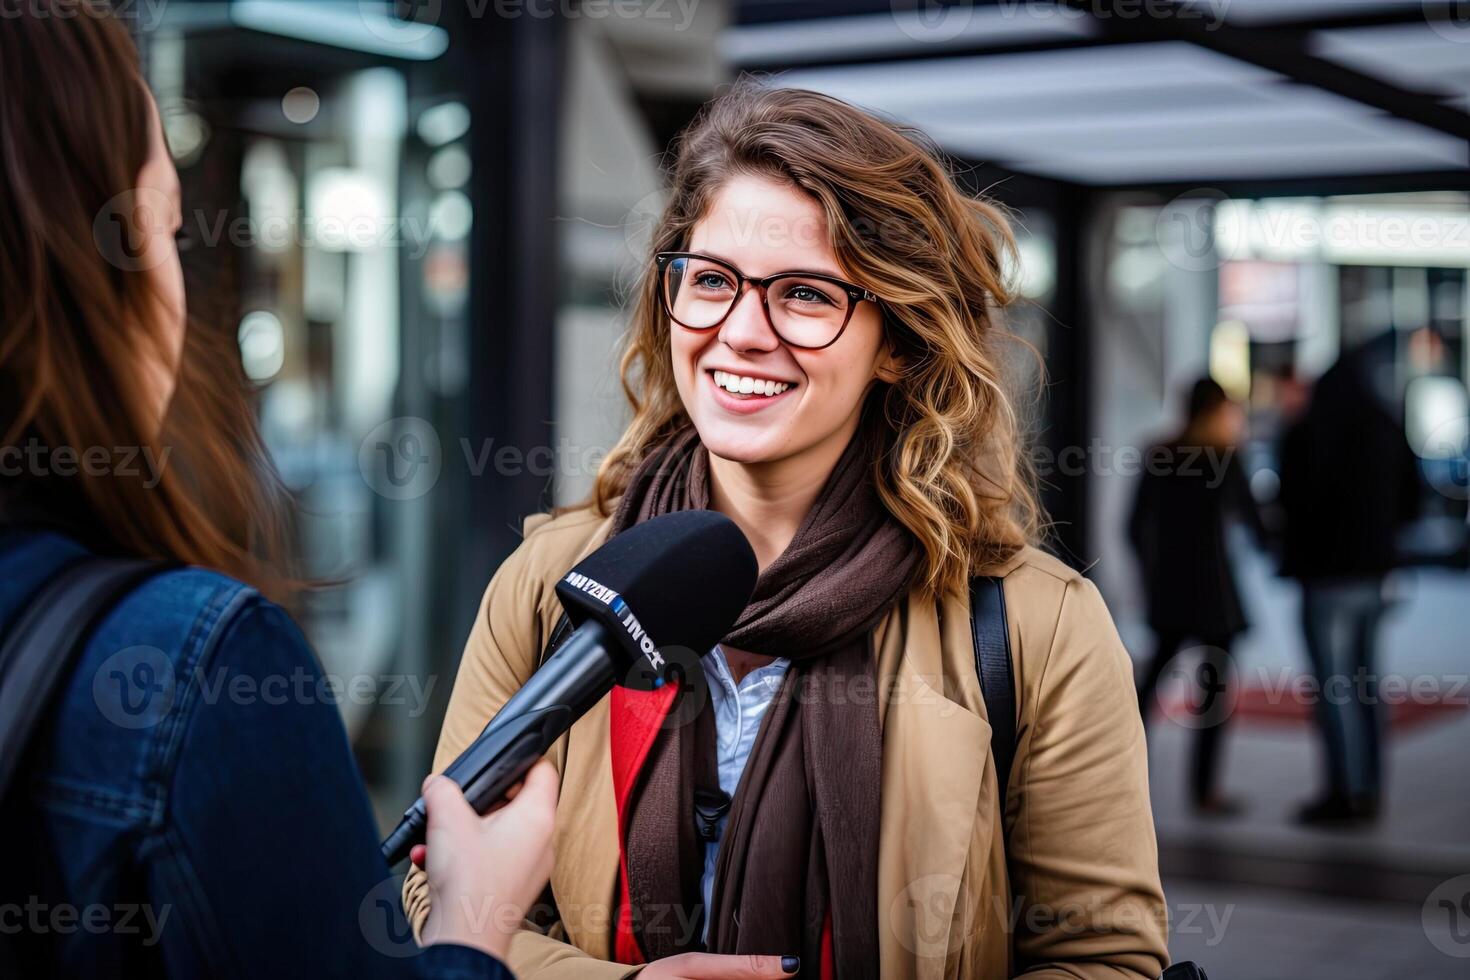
{"x": 1281, "y": 45}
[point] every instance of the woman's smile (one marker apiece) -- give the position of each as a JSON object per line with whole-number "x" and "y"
{"x": 744, "y": 393}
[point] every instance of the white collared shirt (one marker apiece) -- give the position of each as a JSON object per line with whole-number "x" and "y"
{"x": 738, "y": 713}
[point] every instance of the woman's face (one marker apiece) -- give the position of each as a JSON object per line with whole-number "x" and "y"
{"x": 762, "y": 227}
{"x": 157, "y": 217}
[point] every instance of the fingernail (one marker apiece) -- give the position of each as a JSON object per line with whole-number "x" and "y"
{"x": 790, "y": 964}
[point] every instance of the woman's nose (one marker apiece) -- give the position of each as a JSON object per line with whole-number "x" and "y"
{"x": 746, "y": 328}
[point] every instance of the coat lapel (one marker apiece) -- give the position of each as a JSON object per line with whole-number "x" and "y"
{"x": 936, "y": 777}
{"x": 938, "y": 783}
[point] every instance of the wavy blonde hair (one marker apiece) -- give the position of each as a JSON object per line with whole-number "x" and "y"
{"x": 948, "y": 462}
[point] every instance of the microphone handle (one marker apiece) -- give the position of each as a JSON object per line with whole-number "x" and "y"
{"x": 570, "y": 682}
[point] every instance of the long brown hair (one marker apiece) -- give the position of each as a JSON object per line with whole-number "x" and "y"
{"x": 948, "y": 461}
{"x": 75, "y": 131}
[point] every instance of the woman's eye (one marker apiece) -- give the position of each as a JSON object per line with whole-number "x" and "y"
{"x": 711, "y": 280}
{"x": 807, "y": 294}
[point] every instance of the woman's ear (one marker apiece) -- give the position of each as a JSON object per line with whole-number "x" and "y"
{"x": 890, "y": 366}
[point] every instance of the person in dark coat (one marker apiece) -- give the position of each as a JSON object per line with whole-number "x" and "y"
{"x": 1349, "y": 481}
{"x": 1191, "y": 486}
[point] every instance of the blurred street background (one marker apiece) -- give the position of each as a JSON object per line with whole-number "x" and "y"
{"x": 420, "y": 219}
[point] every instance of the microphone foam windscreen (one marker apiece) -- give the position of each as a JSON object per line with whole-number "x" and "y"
{"x": 678, "y": 580}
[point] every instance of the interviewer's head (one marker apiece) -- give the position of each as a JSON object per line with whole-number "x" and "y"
{"x": 116, "y": 420}
{"x": 894, "y": 337}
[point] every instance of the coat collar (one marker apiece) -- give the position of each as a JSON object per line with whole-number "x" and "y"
{"x": 936, "y": 784}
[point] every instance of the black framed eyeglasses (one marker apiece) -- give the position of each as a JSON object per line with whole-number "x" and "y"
{"x": 805, "y": 309}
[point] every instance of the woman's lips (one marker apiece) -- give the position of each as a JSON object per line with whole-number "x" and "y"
{"x": 743, "y": 404}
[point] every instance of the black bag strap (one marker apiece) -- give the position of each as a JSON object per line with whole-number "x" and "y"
{"x": 992, "y": 641}
{"x": 44, "y": 640}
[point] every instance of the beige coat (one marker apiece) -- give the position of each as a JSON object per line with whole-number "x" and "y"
{"x": 1077, "y": 850}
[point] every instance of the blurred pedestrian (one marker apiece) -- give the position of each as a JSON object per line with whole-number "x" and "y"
{"x": 1348, "y": 483}
{"x": 1192, "y": 485}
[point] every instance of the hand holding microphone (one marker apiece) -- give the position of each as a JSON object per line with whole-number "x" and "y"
{"x": 485, "y": 872}
{"x": 677, "y": 580}
{"x": 681, "y": 579}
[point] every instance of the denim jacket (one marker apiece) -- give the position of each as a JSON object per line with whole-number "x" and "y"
{"x": 190, "y": 807}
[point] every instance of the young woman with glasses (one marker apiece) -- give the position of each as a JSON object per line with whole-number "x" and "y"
{"x": 816, "y": 352}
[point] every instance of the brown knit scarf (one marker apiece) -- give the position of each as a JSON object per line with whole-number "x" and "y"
{"x": 800, "y": 848}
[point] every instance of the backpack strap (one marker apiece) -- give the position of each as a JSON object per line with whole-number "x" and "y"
{"x": 992, "y": 640}
{"x": 44, "y": 641}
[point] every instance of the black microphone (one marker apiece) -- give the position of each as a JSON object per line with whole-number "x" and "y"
{"x": 676, "y": 581}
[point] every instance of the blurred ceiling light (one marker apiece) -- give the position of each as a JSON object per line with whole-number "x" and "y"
{"x": 301, "y": 104}
{"x": 444, "y": 123}
{"x": 449, "y": 168}
{"x": 356, "y": 26}
{"x": 347, "y": 210}
{"x": 269, "y": 185}
{"x": 1136, "y": 271}
{"x": 1232, "y": 221}
{"x": 186, "y": 132}
{"x": 1265, "y": 485}
{"x": 450, "y": 216}
{"x": 262, "y": 345}
{"x": 1403, "y": 236}
{"x": 1344, "y": 233}
{"x": 1037, "y": 261}
{"x": 1437, "y": 417}
{"x": 1230, "y": 358}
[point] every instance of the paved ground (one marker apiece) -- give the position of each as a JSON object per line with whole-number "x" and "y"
{"x": 1274, "y": 935}
{"x": 1257, "y": 897}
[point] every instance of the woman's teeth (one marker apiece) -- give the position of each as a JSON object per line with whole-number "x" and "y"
{"x": 740, "y": 384}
